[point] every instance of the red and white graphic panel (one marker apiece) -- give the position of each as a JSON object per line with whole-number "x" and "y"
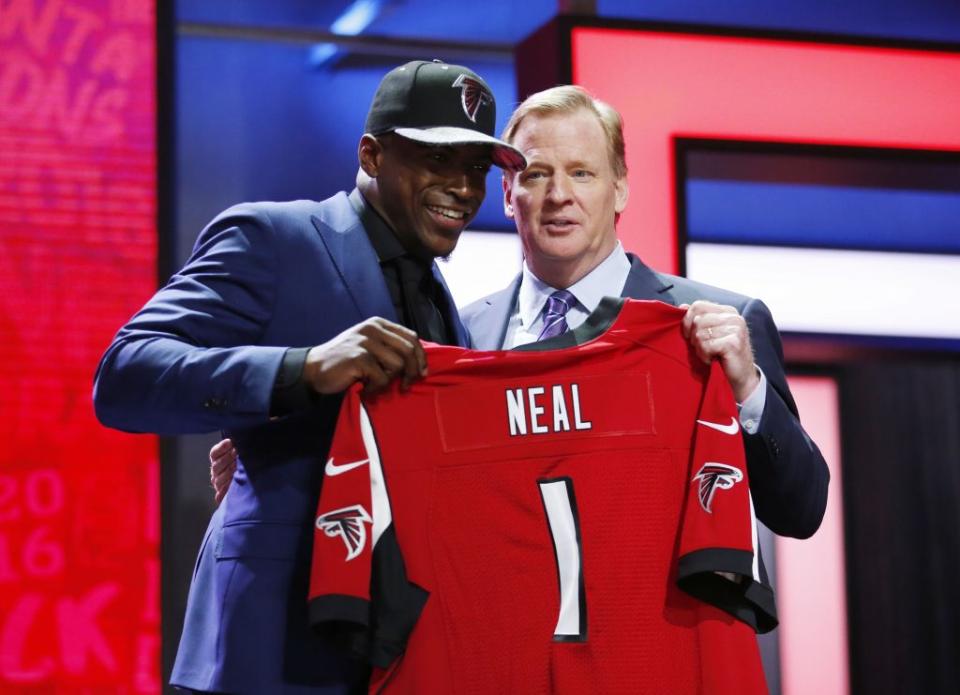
{"x": 79, "y": 516}
{"x": 671, "y": 85}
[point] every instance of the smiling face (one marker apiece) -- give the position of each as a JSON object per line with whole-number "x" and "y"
{"x": 428, "y": 194}
{"x": 566, "y": 201}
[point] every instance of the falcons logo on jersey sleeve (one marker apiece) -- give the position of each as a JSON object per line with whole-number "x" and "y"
{"x": 348, "y": 524}
{"x": 473, "y": 95}
{"x": 715, "y": 476}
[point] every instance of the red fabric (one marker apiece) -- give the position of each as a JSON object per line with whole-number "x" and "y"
{"x": 471, "y": 525}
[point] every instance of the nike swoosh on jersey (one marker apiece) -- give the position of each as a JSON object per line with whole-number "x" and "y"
{"x": 732, "y": 428}
{"x": 333, "y": 469}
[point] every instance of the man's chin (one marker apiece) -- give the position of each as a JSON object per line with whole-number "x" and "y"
{"x": 559, "y": 250}
{"x": 445, "y": 251}
{"x": 442, "y": 244}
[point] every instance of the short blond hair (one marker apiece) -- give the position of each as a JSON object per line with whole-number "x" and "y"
{"x": 569, "y": 99}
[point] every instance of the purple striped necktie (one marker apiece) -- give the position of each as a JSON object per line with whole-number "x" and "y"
{"x": 555, "y": 317}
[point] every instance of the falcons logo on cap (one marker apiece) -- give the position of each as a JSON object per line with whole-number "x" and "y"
{"x": 473, "y": 95}
{"x": 714, "y": 476}
{"x": 348, "y": 524}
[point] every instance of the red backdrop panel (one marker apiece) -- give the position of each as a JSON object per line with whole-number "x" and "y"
{"x": 79, "y": 517}
{"x": 681, "y": 85}
{"x": 811, "y": 574}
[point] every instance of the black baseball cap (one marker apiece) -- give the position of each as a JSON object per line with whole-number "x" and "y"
{"x": 439, "y": 104}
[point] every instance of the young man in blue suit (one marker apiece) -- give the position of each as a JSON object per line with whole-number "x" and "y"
{"x": 281, "y": 307}
{"x": 565, "y": 205}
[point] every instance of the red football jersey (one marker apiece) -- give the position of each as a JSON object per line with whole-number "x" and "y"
{"x": 566, "y": 520}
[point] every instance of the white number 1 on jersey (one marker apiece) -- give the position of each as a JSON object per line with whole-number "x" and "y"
{"x": 561, "y": 508}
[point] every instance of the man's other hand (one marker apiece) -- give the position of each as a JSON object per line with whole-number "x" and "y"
{"x": 223, "y": 462}
{"x": 717, "y": 331}
{"x": 373, "y": 352}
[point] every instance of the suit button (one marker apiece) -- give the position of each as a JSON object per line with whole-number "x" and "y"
{"x": 775, "y": 447}
{"x": 213, "y": 403}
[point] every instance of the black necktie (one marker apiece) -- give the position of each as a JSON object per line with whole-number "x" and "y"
{"x": 420, "y": 294}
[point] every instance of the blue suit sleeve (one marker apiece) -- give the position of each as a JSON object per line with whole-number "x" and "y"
{"x": 788, "y": 475}
{"x": 190, "y": 360}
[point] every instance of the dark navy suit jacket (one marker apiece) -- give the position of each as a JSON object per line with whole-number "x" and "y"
{"x": 788, "y": 476}
{"x": 202, "y": 355}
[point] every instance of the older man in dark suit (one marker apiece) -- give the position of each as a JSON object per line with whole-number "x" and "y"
{"x": 565, "y": 205}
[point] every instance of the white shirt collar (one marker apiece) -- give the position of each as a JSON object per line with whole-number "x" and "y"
{"x": 607, "y": 279}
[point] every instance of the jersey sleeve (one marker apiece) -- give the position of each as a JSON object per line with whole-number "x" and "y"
{"x": 719, "y": 553}
{"x": 360, "y": 596}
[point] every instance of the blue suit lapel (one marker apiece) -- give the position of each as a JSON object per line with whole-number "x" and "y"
{"x": 359, "y": 268}
{"x": 489, "y": 328}
{"x": 354, "y": 258}
{"x": 643, "y": 283}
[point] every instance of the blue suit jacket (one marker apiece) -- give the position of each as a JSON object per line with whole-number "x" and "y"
{"x": 202, "y": 355}
{"x": 788, "y": 476}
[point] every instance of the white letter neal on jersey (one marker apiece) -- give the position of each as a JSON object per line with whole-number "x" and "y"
{"x": 528, "y": 412}
{"x": 348, "y": 524}
{"x": 715, "y": 476}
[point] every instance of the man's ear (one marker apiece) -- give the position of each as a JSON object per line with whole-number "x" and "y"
{"x": 622, "y": 193}
{"x": 507, "y": 181}
{"x": 370, "y": 154}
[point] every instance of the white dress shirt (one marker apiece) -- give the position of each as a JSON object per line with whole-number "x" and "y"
{"x": 526, "y": 321}
{"x": 606, "y": 280}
